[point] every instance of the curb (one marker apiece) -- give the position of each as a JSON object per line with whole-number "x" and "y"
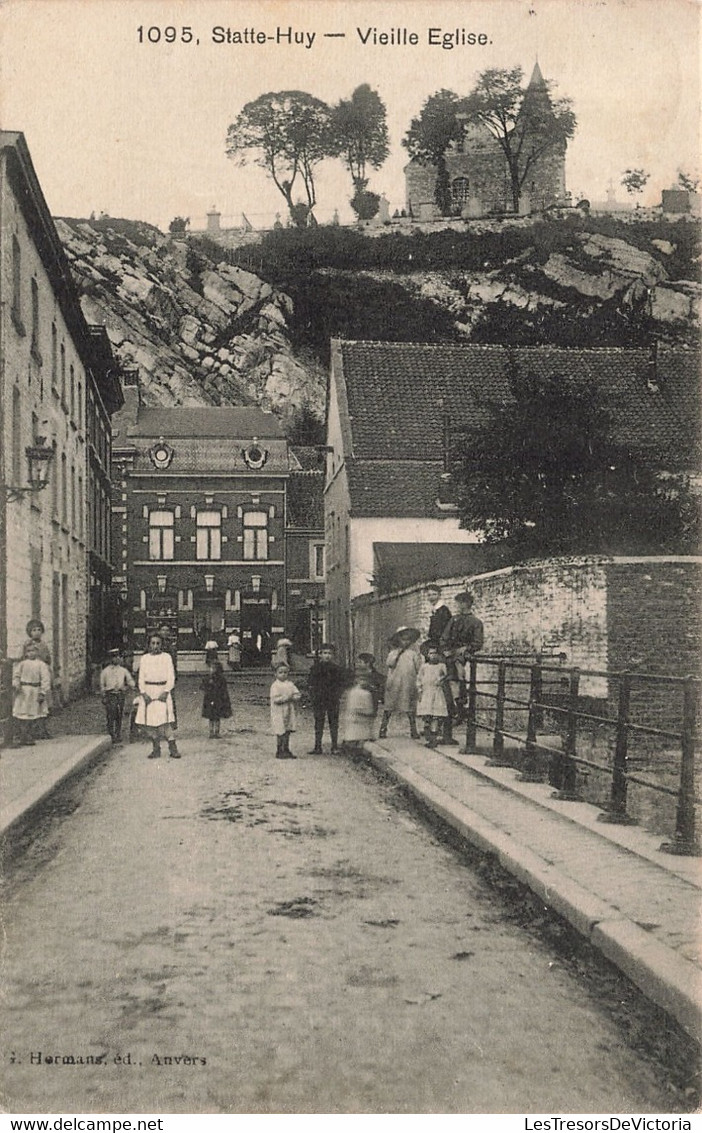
{"x": 668, "y": 980}
{"x": 14, "y": 814}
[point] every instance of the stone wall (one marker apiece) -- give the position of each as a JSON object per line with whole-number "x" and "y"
{"x": 638, "y": 614}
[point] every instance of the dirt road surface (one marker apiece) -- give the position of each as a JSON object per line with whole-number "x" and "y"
{"x": 232, "y": 933}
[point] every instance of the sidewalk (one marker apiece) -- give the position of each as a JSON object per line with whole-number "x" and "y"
{"x": 29, "y": 775}
{"x": 640, "y": 907}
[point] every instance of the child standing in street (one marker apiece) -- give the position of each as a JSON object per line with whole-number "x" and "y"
{"x": 326, "y": 681}
{"x": 216, "y": 705}
{"x": 431, "y": 681}
{"x": 156, "y": 682}
{"x": 361, "y": 708}
{"x": 284, "y": 696}
{"x": 114, "y": 682}
{"x": 35, "y": 634}
{"x": 31, "y": 684}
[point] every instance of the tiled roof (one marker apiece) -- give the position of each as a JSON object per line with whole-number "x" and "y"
{"x": 305, "y": 500}
{"x": 398, "y": 393}
{"x": 401, "y": 488}
{"x": 224, "y": 421}
{"x": 404, "y": 565}
{"x": 309, "y": 457}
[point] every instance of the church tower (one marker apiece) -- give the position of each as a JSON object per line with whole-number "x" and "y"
{"x": 478, "y": 170}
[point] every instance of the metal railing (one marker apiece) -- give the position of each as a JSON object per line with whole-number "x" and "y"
{"x": 506, "y": 675}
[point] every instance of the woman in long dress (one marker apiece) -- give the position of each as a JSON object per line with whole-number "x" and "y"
{"x": 403, "y": 663}
{"x": 155, "y": 709}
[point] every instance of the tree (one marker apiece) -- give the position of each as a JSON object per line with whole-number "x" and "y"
{"x": 429, "y": 136}
{"x": 688, "y": 183}
{"x": 634, "y": 181}
{"x": 548, "y": 474}
{"x": 361, "y": 134}
{"x": 288, "y": 134}
{"x": 178, "y": 225}
{"x": 524, "y": 120}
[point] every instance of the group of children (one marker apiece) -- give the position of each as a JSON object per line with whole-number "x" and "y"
{"x": 415, "y": 686}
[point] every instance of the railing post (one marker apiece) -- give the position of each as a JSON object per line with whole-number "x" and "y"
{"x": 565, "y": 765}
{"x": 685, "y": 841}
{"x": 616, "y": 812}
{"x": 531, "y": 772}
{"x": 471, "y": 723}
{"x": 498, "y": 739}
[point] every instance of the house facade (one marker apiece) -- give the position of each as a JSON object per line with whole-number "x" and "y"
{"x": 58, "y": 387}
{"x": 200, "y": 503}
{"x": 305, "y": 551}
{"x": 478, "y": 175}
{"x": 396, "y": 412}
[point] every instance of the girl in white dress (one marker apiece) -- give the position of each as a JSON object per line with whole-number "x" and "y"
{"x": 155, "y": 709}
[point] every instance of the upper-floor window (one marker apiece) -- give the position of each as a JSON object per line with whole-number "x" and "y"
{"x": 16, "y": 435}
{"x": 317, "y": 554}
{"x": 17, "y": 286}
{"x": 63, "y": 373}
{"x": 54, "y": 357}
{"x": 73, "y": 391}
{"x": 64, "y": 490}
{"x": 161, "y": 538}
{"x": 209, "y": 535}
{"x": 54, "y": 484}
{"x": 460, "y": 187}
{"x": 255, "y": 535}
{"x": 35, "y": 322}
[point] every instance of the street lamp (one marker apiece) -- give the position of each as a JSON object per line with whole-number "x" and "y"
{"x": 39, "y": 457}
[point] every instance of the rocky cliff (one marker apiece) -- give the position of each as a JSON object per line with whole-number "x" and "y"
{"x": 200, "y": 332}
{"x": 204, "y": 328}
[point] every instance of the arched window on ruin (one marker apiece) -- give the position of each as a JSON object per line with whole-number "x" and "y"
{"x": 460, "y": 187}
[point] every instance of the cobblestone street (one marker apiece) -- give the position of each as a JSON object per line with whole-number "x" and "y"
{"x": 231, "y": 933}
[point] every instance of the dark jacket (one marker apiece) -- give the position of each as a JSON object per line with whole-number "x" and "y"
{"x": 463, "y": 632}
{"x": 216, "y": 704}
{"x": 437, "y": 624}
{"x": 326, "y": 682}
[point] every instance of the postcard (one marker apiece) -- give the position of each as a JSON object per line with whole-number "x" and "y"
{"x": 255, "y": 241}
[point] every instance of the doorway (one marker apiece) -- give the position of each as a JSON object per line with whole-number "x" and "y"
{"x": 255, "y": 630}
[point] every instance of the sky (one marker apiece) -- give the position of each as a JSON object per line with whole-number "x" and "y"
{"x": 137, "y": 129}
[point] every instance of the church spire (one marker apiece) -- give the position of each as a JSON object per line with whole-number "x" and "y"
{"x": 537, "y": 80}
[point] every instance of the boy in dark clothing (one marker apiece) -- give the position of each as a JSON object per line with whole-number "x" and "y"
{"x": 462, "y": 638}
{"x": 326, "y": 681}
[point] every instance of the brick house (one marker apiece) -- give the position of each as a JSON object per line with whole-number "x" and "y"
{"x": 393, "y": 409}
{"x": 305, "y": 552}
{"x": 59, "y": 382}
{"x": 199, "y": 514}
{"x": 478, "y": 173}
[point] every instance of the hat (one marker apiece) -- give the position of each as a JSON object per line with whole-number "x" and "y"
{"x": 114, "y": 653}
{"x": 284, "y": 641}
{"x": 405, "y": 633}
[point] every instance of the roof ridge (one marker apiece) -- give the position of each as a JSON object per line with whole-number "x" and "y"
{"x": 496, "y": 347}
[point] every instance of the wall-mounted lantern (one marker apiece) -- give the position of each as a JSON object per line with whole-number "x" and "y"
{"x": 39, "y": 457}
